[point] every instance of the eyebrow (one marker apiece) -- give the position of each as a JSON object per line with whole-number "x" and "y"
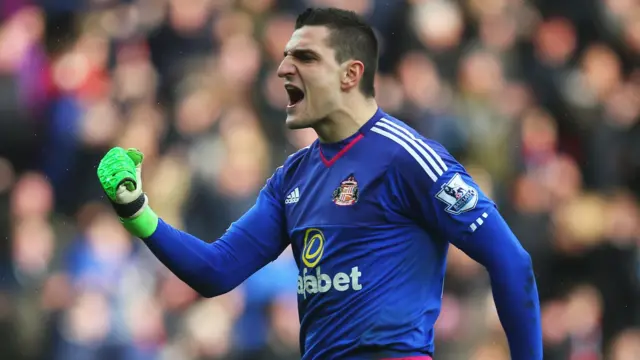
{"x": 300, "y": 53}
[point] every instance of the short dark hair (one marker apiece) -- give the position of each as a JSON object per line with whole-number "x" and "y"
{"x": 351, "y": 38}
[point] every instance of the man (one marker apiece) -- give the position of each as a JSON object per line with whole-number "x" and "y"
{"x": 369, "y": 210}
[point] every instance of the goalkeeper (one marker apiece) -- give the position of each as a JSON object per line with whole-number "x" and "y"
{"x": 369, "y": 209}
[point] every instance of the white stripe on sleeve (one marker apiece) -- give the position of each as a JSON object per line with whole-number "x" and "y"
{"x": 400, "y": 142}
{"x": 418, "y": 141}
{"x": 425, "y": 155}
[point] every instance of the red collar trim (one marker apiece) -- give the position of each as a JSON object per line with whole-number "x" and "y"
{"x": 340, "y": 153}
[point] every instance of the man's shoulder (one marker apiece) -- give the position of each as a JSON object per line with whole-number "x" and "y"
{"x": 285, "y": 172}
{"x": 411, "y": 150}
{"x": 296, "y": 160}
{"x": 292, "y": 165}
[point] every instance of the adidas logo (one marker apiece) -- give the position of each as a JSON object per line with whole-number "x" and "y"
{"x": 293, "y": 197}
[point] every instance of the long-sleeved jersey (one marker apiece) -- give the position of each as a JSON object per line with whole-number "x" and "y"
{"x": 370, "y": 220}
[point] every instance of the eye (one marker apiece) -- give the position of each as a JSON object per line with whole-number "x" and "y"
{"x": 305, "y": 57}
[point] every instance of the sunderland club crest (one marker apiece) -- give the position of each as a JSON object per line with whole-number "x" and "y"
{"x": 347, "y": 193}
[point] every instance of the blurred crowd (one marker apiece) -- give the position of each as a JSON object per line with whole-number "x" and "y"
{"x": 540, "y": 100}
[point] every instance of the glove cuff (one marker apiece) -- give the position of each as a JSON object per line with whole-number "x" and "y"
{"x": 130, "y": 209}
{"x": 144, "y": 223}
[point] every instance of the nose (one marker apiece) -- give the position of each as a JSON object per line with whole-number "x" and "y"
{"x": 286, "y": 68}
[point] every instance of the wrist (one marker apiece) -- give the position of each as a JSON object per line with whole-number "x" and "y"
{"x": 143, "y": 223}
{"x": 130, "y": 209}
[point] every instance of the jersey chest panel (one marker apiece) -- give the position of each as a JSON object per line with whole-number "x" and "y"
{"x": 347, "y": 194}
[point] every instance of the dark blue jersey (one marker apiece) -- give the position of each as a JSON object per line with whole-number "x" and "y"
{"x": 370, "y": 220}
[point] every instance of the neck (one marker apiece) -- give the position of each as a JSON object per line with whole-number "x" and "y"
{"x": 346, "y": 121}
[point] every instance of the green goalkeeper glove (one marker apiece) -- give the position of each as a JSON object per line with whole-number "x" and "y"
{"x": 119, "y": 173}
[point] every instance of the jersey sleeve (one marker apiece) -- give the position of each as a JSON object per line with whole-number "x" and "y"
{"x": 254, "y": 240}
{"x": 262, "y": 226}
{"x": 435, "y": 190}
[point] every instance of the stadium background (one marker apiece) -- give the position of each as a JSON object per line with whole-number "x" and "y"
{"x": 539, "y": 99}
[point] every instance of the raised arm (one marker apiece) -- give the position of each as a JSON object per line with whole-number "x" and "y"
{"x": 250, "y": 243}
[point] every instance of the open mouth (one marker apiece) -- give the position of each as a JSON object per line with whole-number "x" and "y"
{"x": 295, "y": 94}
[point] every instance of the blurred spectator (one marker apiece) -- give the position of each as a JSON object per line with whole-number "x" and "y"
{"x": 540, "y": 101}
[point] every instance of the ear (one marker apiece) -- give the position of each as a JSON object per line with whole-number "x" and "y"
{"x": 353, "y": 72}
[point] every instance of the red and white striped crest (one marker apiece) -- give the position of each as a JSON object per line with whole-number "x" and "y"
{"x": 347, "y": 193}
